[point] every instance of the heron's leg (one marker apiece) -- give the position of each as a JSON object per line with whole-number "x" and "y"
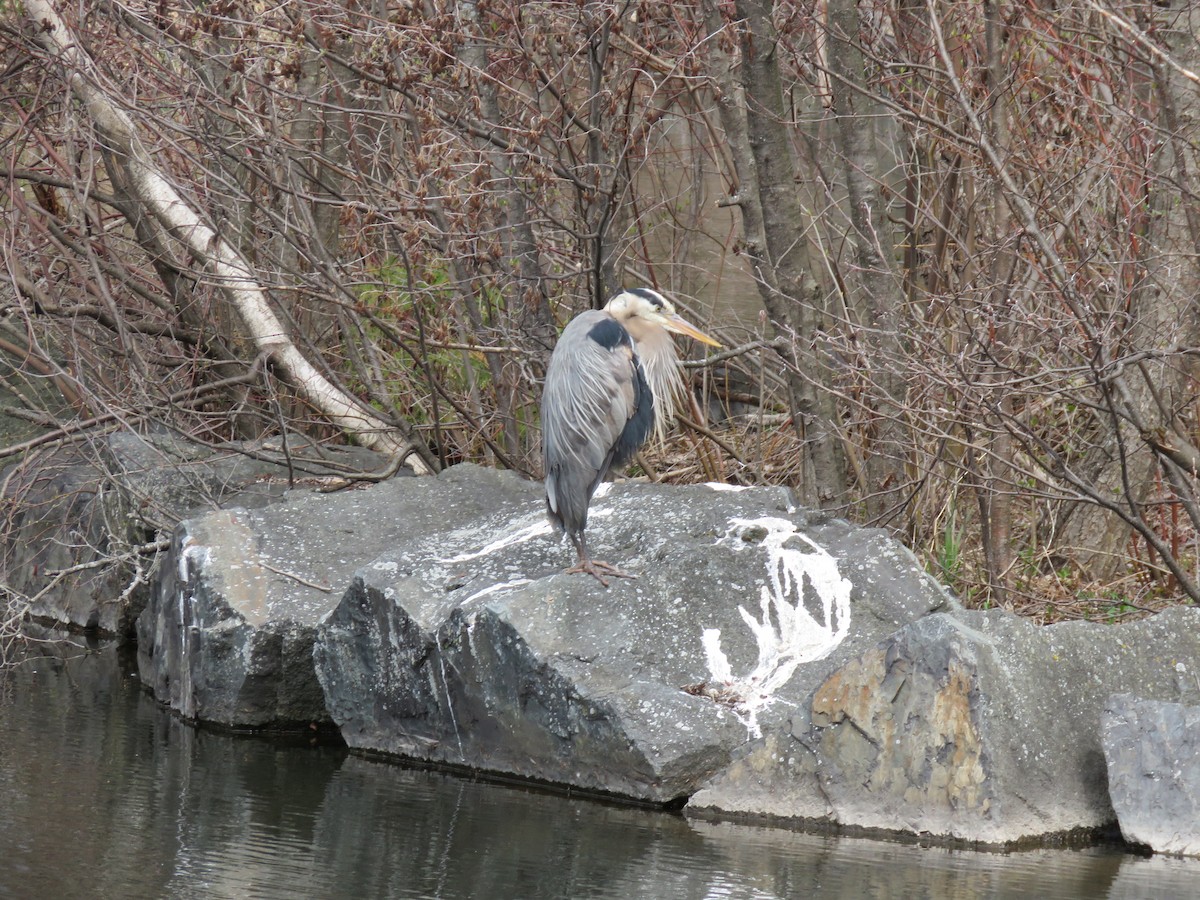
{"x": 594, "y": 567}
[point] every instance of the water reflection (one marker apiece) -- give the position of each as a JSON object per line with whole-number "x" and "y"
{"x": 102, "y": 794}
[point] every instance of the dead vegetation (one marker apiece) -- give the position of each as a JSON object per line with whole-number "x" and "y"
{"x": 971, "y": 231}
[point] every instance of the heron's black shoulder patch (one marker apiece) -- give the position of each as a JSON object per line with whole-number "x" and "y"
{"x": 610, "y": 334}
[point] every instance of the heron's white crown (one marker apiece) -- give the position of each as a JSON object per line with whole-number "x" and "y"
{"x": 642, "y": 302}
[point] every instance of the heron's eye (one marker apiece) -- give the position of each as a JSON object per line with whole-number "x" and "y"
{"x": 652, "y": 297}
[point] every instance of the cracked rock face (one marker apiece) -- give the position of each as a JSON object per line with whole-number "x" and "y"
{"x": 226, "y": 639}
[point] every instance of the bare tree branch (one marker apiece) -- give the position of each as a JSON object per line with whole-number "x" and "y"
{"x": 229, "y": 269}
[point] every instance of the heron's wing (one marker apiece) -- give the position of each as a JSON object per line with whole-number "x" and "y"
{"x": 596, "y": 410}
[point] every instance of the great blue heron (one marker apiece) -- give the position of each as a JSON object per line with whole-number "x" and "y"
{"x": 612, "y": 380}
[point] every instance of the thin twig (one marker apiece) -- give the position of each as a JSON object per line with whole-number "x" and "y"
{"x": 140, "y": 550}
{"x": 740, "y": 350}
{"x": 701, "y": 429}
{"x": 292, "y": 575}
{"x": 351, "y": 479}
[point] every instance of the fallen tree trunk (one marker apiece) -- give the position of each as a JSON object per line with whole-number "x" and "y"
{"x": 226, "y": 265}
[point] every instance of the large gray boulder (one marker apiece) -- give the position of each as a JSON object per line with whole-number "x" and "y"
{"x": 227, "y": 636}
{"x": 1152, "y": 751}
{"x": 974, "y": 725}
{"x": 766, "y": 661}
{"x": 61, "y": 519}
{"x": 467, "y": 646}
{"x": 76, "y": 513}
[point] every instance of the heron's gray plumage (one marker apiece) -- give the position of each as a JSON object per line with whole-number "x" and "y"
{"x": 594, "y": 395}
{"x": 613, "y": 379}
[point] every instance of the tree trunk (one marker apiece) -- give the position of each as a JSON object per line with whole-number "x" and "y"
{"x": 873, "y": 288}
{"x": 752, "y": 116}
{"x": 320, "y": 144}
{"x": 994, "y": 486}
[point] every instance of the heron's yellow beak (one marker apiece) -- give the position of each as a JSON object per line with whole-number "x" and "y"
{"x": 680, "y": 325}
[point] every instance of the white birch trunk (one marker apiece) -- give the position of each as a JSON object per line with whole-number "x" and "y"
{"x": 228, "y": 268}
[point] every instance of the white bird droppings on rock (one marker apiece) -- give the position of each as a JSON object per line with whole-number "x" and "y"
{"x": 793, "y": 635}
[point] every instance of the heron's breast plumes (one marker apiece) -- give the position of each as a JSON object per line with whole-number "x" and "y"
{"x": 655, "y": 349}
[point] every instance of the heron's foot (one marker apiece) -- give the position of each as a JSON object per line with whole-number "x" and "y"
{"x": 598, "y": 569}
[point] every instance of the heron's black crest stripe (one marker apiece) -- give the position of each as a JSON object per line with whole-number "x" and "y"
{"x": 610, "y": 334}
{"x": 651, "y": 297}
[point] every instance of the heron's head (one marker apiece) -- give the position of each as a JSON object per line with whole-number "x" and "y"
{"x": 640, "y": 309}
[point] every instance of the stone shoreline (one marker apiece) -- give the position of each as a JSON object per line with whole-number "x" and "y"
{"x": 768, "y": 663}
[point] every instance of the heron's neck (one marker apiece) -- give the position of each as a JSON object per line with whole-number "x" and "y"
{"x": 660, "y": 363}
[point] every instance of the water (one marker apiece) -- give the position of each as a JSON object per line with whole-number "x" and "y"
{"x": 103, "y": 794}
